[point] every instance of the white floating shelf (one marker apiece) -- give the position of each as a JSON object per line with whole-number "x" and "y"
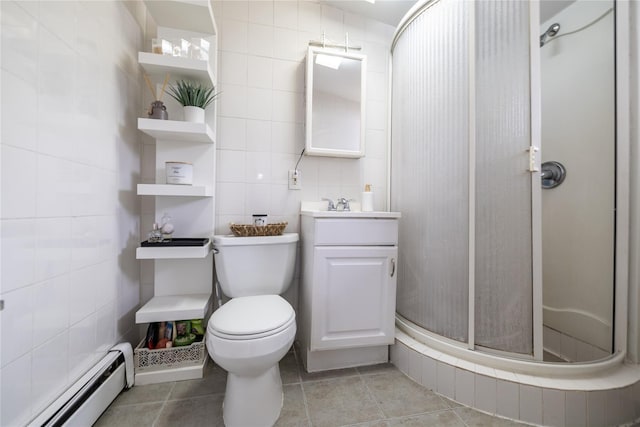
{"x": 178, "y": 67}
{"x": 174, "y": 190}
{"x": 191, "y": 15}
{"x": 177, "y": 130}
{"x": 173, "y": 252}
{"x": 174, "y": 307}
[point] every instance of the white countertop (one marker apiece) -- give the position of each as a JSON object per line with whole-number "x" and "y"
{"x": 319, "y": 210}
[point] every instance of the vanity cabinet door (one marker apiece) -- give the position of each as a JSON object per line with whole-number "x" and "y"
{"x": 354, "y": 296}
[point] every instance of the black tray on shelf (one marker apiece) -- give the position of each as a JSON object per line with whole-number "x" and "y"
{"x": 177, "y": 241}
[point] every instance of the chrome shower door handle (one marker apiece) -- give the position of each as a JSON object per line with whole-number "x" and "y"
{"x": 553, "y": 174}
{"x": 393, "y": 267}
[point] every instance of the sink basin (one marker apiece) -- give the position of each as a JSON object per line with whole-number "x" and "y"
{"x": 319, "y": 210}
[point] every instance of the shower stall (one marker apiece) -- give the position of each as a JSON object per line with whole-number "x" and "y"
{"x": 503, "y": 164}
{"x": 510, "y": 162}
{"x": 461, "y": 128}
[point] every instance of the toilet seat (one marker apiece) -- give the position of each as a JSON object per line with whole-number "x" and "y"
{"x": 247, "y": 318}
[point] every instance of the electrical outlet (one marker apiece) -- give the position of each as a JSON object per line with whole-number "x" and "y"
{"x": 295, "y": 180}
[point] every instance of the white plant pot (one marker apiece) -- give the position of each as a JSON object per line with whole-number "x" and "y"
{"x": 194, "y": 114}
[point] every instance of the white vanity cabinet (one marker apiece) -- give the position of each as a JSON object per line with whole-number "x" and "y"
{"x": 348, "y": 289}
{"x": 354, "y": 296}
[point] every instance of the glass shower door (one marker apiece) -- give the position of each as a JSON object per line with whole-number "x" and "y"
{"x": 430, "y": 174}
{"x": 503, "y": 182}
{"x": 461, "y": 128}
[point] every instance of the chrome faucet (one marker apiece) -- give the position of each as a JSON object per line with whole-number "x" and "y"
{"x": 331, "y": 206}
{"x": 342, "y": 204}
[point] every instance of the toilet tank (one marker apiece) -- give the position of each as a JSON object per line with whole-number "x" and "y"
{"x": 261, "y": 265}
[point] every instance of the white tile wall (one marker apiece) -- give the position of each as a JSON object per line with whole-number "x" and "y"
{"x": 576, "y": 408}
{"x": 596, "y": 403}
{"x": 16, "y": 389}
{"x": 507, "y": 399}
{"x": 569, "y": 348}
{"x": 260, "y": 124}
{"x": 415, "y": 366}
{"x": 429, "y": 373}
{"x": 465, "y": 387}
{"x": 553, "y": 407}
{"x": 446, "y": 379}
{"x": 486, "y": 389}
{"x": 70, "y": 158}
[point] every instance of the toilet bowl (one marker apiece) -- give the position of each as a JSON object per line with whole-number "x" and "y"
{"x": 247, "y": 337}
{"x": 253, "y": 331}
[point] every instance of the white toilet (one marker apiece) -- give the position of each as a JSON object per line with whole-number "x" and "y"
{"x": 249, "y": 334}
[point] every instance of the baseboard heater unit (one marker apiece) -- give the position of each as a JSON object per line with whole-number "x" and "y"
{"x": 83, "y": 403}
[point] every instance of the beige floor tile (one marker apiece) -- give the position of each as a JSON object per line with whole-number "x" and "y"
{"x": 144, "y": 394}
{"x": 398, "y": 396}
{"x": 340, "y": 401}
{"x": 478, "y": 419}
{"x": 437, "y": 419}
{"x": 214, "y": 381}
{"x": 325, "y": 375}
{"x": 293, "y": 412}
{"x": 377, "y": 423}
{"x": 194, "y": 412}
{"x": 289, "y": 370}
{"x": 141, "y": 415}
{"x": 371, "y": 396}
{"x": 376, "y": 369}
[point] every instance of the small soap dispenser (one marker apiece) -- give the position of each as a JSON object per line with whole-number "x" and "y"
{"x": 367, "y": 199}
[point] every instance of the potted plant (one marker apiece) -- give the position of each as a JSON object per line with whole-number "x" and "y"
{"x": 194, "y": 97}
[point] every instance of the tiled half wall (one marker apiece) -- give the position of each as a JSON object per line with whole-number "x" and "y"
{"x": 609, "y": 399}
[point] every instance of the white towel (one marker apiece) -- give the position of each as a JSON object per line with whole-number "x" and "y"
{"x": 127, "y": 351}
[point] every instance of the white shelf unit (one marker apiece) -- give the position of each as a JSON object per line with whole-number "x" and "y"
{"x": 178, "y": 67}
{"x": 177, "y": 130}
{"x": 183, "y": 276}
{"x": 173, "y": 252}
{"x": 170, "y": 308}
{"x": 174, "y": 190}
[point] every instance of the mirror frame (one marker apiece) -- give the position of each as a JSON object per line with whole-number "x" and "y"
{"x": 331, "y": 152}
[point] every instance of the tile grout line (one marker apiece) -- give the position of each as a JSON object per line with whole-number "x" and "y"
{"x": 405, "y": 417}
{"x": 373, "y": 396}
{"x": 304, "y": 395}
{"x": 306, "y": 405}
{"x": 164, "y": 403}
{"x": 459, "y": 417}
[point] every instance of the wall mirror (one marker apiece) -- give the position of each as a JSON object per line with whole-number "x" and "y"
{"x": 335, "y": 112}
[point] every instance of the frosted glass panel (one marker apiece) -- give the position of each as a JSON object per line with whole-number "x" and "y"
{"x": 503, "y": 272}
{"x": 429, "y": 171}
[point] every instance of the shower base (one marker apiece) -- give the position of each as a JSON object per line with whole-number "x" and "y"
{"x": 604, "y": 393}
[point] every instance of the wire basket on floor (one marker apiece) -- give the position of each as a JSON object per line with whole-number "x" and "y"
{"x": 247, "y": 230}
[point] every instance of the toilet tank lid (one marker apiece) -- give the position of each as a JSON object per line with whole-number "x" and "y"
{"x": 252, "y": 315}
{"x": 231, "y": 240}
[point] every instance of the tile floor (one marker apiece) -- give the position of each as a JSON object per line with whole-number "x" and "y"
{"x": 373, "y": 396}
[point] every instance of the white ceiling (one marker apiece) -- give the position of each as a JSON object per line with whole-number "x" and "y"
{"x": 387, "y": 11}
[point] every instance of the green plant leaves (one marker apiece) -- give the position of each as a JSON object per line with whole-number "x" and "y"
{"x": 193, "y": 94}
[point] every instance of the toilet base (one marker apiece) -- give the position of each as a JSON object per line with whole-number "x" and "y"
{"x": 253, "y": 401}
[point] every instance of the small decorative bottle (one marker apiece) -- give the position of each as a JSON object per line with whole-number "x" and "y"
{"x": 155, "y": 235}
